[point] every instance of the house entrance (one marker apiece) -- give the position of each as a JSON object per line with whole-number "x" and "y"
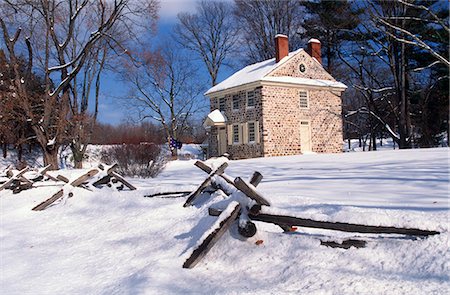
{"x": 305, "y": 136}
{"x": 222, "y": 140}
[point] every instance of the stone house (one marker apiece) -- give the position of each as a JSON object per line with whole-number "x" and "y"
{"x": 287, "y": 105}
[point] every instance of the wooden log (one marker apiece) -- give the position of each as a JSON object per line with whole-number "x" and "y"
{"x": 219, "y": 171}
{"x": 84, "y": 177}
{"x": 102, "y": 181}
{"x": 250, "y": 192}
{"x": 248, "y": 231}
{"x": 14, "y": 177}
{"x": 49, "y": 201}
{"x": 50, "y": 177}
{"x": 123, "y": 181}
{"x": 26, "y": 180}
{"x": 256, "y": 178}
{"x": 62, "y": 178}
{"x": 111, "y": 172}
{"x": 213, "y": 237}
{"x": 208, "y": 170}
{"x": 59, "y": 194}
{"x": 112, "y": 168}
{"x": 214, "y": 211}
{"x": 22, "y": 187}
{"x": 178, "y": 194}
{"x": 346, "y": 244}
{"x": 340, "y": 226}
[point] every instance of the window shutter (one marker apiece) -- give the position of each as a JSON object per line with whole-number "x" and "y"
{"x": 245, "y": 133}
{"x": 258, "y": 140}
{"x": 241, "y": 126}
{"x": 230, "y": 134}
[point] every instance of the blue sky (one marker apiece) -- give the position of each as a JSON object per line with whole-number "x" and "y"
{"x": 113, "y": 110}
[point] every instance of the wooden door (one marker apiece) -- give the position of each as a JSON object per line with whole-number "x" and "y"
{"x": 305, "y": 136}
{"x": 222, "y": 140}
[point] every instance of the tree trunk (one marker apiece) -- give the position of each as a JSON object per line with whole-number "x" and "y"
{"x": 19, "y": 152}
{"x": 374, "y": 141}
{"x": 51, "y": 157}
{"x": 5, "y": 150}
{"x": 78, "y": 155}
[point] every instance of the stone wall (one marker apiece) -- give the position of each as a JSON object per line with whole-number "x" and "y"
{"x": 242, "y": 115}
{"x": 282, "y": 116}
{"x": 313, "y": 70}
{"x": 279, "y": 114}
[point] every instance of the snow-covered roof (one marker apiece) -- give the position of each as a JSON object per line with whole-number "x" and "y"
{"x": 214, "y": 118}
{"x": 251, "y": 73}
{"x": 259, "y": 71}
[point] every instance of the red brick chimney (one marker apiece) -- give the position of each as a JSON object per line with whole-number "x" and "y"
{"x": 281, "y": 47}
{"x": 314, "y": 49}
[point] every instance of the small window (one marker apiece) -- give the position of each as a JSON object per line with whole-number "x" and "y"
{"x": 222, "y": 104}
{"x": 250, "y": 99}
{"x": 304, "y": 104}
{"x": 251, "y": 132}
{"x": 236, "y": 133}
{"x": 235, "y": 102}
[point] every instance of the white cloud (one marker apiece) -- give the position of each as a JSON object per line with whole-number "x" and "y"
{"x": 170, "y": 8}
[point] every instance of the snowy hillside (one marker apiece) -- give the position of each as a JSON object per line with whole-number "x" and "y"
{"x": 122, "y": 243}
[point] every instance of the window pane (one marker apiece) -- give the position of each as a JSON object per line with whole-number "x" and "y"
{"x": 235, "y": 102}
{"x": 251, "y": 132}
{"x": 251, "y": 99}
{"x": 222, "y": 104}
{"x": 235, "y": 133}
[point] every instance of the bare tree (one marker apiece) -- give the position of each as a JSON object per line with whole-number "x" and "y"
{"x": 45, "y": 31}
{"x": 85, "y": 89}
{"x": 392, "y": 87}
{"x": 430, "y": 14}
{"x": 263, "y": 20}
{"x": 211, "y": 32}
{"x": 164, "y": 87}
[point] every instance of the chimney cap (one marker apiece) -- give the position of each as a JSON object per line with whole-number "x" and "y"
{"x": 313, "y": 40}
{"x": 280, "y": 36}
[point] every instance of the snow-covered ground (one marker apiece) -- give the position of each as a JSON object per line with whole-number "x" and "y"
{"x": 107, "y": 242}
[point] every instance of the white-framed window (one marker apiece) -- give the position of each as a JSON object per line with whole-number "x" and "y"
{"x": 250, "y": 99}
{"x": 235, "y": 102}
{"x": 304, "y": 99}
{"x": 222, "y": 104}
{"x": 236, "y": 135}
{"x": 251, "y": 127}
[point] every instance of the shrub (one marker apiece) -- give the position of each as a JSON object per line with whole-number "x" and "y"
{"x": 143, "y": 160}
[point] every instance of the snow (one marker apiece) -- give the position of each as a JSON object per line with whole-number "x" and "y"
{"x": 251, "y": 73}
{"x": 312, "y": 40}
{"x": 214, "y": 118}
{"x": 108, "y": 242}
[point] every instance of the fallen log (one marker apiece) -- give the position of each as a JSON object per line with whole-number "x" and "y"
{"x": 340, "y": 226}
{"x": 231, "y": 213}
